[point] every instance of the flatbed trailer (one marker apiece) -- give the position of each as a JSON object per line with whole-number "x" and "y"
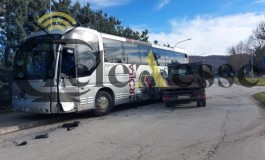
{"x": 173, "y": 96}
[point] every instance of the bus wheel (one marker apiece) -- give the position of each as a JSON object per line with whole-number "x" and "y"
{"x": 103, "y": 103}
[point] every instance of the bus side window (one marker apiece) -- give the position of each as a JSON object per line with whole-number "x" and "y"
{"x": 170, "y": 57}
{"x": 159, "y": 56}
{"x": 132, "y": 53}
{"x": 87, "y": 60}
{"x": 144, "y": 50}
{"x": 113, "y": 51}
{"x": 180, "y": 57}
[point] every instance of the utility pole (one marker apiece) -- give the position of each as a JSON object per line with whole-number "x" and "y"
{"x": 252, "y": 63}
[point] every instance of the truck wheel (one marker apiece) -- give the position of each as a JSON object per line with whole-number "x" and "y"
{"x": 168, "y": 104}
{"x": 103, "y": 103}
{"x": 201, "y": 102}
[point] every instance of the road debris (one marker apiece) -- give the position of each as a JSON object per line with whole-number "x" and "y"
{"x": 20, "y": 144}
{"x": 71, "y": 126}
{"x": 41, "y": 136}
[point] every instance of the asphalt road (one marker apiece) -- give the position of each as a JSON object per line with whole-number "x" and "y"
{"x": 232, "y": 126}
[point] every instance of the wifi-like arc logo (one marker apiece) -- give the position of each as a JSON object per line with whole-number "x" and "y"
{"x": 56, "y": 20}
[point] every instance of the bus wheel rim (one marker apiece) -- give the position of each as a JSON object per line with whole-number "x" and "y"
{"x": 102, "y": 103}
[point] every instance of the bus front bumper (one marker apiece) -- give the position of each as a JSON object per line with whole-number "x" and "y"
{"x": 31, "y": 105}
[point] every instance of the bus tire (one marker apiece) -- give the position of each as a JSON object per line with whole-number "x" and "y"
{"x": 103, "y": 104}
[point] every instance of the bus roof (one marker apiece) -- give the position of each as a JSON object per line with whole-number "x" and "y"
{"x": 104, "y": 35}
{"x": 40, "y": 33}
{"x": 128, "y": 40}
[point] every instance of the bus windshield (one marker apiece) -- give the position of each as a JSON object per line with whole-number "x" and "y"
{"x": 36, "y": 58}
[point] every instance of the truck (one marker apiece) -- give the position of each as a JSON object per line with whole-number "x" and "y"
{"x": 185, "y": 84}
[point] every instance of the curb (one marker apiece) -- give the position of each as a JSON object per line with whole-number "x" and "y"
{"x": 262, "y": 105}
{"x": 23, "y": 126}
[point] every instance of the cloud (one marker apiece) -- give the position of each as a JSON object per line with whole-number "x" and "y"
{"x": 103, "y": 3}
{"x": 210, "y": 35}
{"x": 162, "y": 3}
{"x": 259, "y": 1}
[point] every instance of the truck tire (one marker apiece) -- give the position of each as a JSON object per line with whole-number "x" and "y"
{"x": 201, "y": 102}
{"x": 103, "y": 103}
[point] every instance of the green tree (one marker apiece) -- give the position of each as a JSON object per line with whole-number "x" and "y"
{"x": 62, "y": 6}
{"x": 12, "y": 29}
{"x": 1, "y": 36}
{"x": 257, "y": 43}
{"x": 34, "y": 14}
{"x": 75, "y": 11}
{"x": 1, "y": 8}
{"x": 101, "y": 22}
{"x": 144, "y": 36}
{"x": 17, "y": 18}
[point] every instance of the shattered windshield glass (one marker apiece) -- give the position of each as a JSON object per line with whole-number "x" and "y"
{"x": 35, "y": 59}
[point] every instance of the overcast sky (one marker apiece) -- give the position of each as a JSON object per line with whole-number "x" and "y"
{"x": 213, "y": 25}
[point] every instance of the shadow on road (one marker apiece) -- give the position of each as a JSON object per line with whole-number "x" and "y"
{"x": 147, "y": 107}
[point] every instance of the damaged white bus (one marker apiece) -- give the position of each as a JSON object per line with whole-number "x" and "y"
{"x": 81, "y": 69}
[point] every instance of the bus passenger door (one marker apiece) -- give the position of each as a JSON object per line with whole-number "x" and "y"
{"x": 68, "y": 88}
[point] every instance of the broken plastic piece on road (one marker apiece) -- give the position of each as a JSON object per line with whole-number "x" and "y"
{"x": 69, "y": 125}
{"x": 45, "y": 135}
{"x": 20, "y": 144}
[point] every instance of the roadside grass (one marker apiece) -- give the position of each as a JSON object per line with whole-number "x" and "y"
{"x": 261, "y": 82}
{"x": 260, "y": 97}
{"x": 252, "y": 80}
